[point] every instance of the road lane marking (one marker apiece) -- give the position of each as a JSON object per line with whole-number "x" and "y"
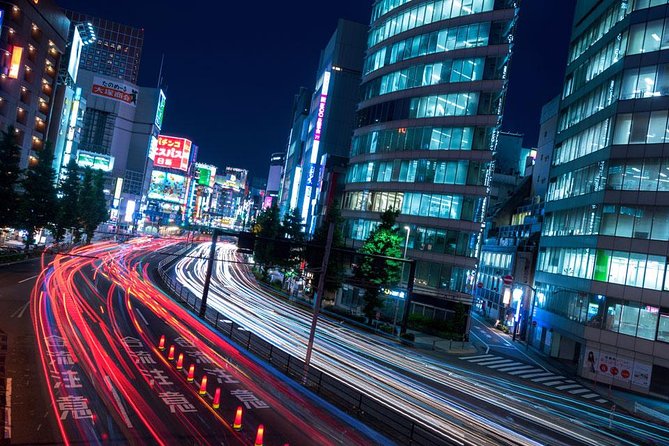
{"x": 496, "y": 361}
{"x": 554, "y": 383}
{"x": 579, "y": 391}
{"x": 29, "y": 278}
{"x": 124, "y": 413}
{"x": 545, "y": 378}
{"x": 139, "y": 313}
{"x": 20, "y": 311}
{"x": 590, "y": 395}
{"x": 503, "y": 364}
{"x": 601, "y": 400}
{"x": 568, "y": 386}
{"x": 469, "y": 358}
{"x": 536, "y": 375}
{"x": 530, "y": 369}
{"x": 518, "y": 366}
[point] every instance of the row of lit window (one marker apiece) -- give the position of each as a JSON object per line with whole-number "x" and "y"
{"x": 496, "y": 259}
{"x": 424, "y": 14}
{"x": 598, "y": 99}
{"x": 620, "y": 267}
{"x": 641, "y": 128}
{"x": 588, "y": 141}
{"x": 418, "y": 171}
{"x": 450, "y": 71}
{"x": 422, "y": 138}
{"x": 452, "y": 104}
{"x": 640, "y": 222}
{"x": 597, "y": 30}
{"x": 385, "y": 6}
{"x": 598, "y": 311}
{"x": 453, "y": 207}
{"x": 648, "y": 174}
{"x": 449, "y": 39}
{"x": 577, "y": 182}
{"x": 425, "y": 239}
{"x": 595, "y": 65}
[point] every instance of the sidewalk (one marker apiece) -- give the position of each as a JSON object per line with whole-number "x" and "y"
{"x": 644, "y": 406}
{"x": 423, "y": 341}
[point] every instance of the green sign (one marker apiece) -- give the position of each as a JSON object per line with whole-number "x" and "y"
{"x": 204, "y": 177}
{"x": 160, "y": 112}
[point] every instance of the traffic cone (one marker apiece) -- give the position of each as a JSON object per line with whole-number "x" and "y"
{"x": 217, "y": 398}
{"x": 170, "y": 355}
{"x": 203, "y": 385}
{"x": 161, "y": 344}
{"x": 259, "y": 435}
{"x": 191, "y": 373}
{"x": 237, "y": 425}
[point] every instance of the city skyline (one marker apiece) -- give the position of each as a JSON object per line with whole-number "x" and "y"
{"x": 299, "y": 32}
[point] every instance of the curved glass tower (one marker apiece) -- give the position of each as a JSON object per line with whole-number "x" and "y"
{"x": 433, "y": 91}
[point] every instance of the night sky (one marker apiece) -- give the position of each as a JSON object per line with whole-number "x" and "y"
{"x": 232, "y": 68}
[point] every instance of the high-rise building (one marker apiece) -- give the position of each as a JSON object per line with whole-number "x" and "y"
{"x": 33, "y": 38}
{"x": 328, "y": 128}
{"x": 433, "y": 88}
{"x": 602, "y": 279}
{"x": 274, "y": 178}
{"x": 116, "y": 52}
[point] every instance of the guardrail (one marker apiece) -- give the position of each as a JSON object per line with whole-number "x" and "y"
{"x": 369, "y": 410}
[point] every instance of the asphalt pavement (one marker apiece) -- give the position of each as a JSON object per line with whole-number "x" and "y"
{"x": 24, "y": 404}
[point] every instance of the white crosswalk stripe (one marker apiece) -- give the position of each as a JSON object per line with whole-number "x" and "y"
{"x": 534, "y": 374}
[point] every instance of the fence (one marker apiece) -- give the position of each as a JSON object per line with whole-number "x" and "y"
{"x": 365, "y": 408}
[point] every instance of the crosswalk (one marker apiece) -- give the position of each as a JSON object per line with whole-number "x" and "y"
{"x": 534, "y": 374}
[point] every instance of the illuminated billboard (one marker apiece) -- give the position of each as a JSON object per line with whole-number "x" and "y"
{"x": 167, "y": 186}
{"x": 160, "y": 111}
{"x": 206, "y": 175}
{"x": 173, "y": 153}
{"x": 15, "y": 62}
{"x": 75, "y": 55}
{"x": 116, "y": 90}
{"x": 96, "y": 161}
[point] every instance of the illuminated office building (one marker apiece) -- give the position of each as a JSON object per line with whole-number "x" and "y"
{"x": 602, "y": 278}
{"x": 433, "y": 87}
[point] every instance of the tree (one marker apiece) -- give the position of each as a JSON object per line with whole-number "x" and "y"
{"x": 10, "y": 159}
{"x": 376, "y": 272}
{"x": 92, "y": 202}
{"x": 290, "y": 252}
{"x": 67, "y": 215}
{"x": 314, "y": 254}
{"x": 38, "y": 201}
{"x": 266, "y": 228}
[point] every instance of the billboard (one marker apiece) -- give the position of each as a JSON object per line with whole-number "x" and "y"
{"x": 116, "y": 90}
{"x": 173, "y": 153}
{"x": 167, "y": 186}
{"x": 206, "y": 175}
{"x": 15, "y": 62}
{"x": 75, "y": 55}
{"x": 160, "y": 111}
{"x": 96, "y": 161}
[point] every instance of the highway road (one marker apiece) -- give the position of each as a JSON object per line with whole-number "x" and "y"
{"x": 100, "y": 325}
{"x": 454, "y": 400}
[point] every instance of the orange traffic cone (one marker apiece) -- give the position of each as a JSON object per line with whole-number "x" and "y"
{"x": 237, "y": 425}
{"x": 161, "y": 344}
{"x": 191, "y": 373}
{"x": 217, "y": 398}
{"x": 259, "y": 435}
{"x": 180, "y": 361}
{"x": 203, "y": 385}
{"x": 170, "y": 355}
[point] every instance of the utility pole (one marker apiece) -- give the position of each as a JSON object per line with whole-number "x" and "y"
{"x": 317, "y": 302}
{"x": 407, "y": 302}
{"x": 210, "y": 267}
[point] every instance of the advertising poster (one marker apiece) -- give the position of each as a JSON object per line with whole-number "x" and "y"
{"x": 173, "y": 153}
{"x": 167, "y": 187}
{"x": 114, "y": 89}
{"x": 95, "y": 161}
{"x": 616, "y": 367}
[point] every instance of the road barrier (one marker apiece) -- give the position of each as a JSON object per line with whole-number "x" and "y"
{"x": 379, "y": 416}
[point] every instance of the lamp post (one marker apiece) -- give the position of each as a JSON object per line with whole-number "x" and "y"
{"x": 397, "y": 301}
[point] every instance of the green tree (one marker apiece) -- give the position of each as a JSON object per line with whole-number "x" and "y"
{"x": 266, "y": 228}
{"x": 38, "y": 201}
{"x": 291, "y": 252}
{"x": 314, "y": 255}
{"x": 92, "y": 202}
{"x": 10, "y": 159}
{"x": 376, "y": 272}
{"x": 67, "y": 215}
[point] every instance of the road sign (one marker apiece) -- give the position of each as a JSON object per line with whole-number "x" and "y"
{"x": 614, "y": 371}
{"x": 508, "y": 279}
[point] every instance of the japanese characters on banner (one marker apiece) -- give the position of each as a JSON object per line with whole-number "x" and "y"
{"x": 114, "y": 89}
{"x": 616, "y": 367}
{"x": 173, "y": 153}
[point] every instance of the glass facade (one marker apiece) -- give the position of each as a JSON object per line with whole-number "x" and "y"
{"x": 607, "y": 209}
{"x": 430, "y": 83}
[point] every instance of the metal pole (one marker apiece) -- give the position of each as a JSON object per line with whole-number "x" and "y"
{"x": 530, "y": 320}
{"x": 317, "y": 302}
{"x": 407, "y": 301}
{"x": 210, "y": 267}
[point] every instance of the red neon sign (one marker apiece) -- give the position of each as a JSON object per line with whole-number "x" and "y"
{"x": 173, "y": 153}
